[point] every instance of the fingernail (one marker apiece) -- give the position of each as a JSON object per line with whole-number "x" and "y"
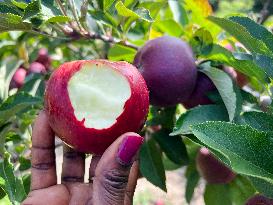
{"x": 128, "y": 149}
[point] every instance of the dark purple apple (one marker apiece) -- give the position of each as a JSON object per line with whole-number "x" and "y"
{"x": 259, "y": 200}
{"x": 199, "y": 96}
{"x": 37, "y": 67}
{"x": 18, "y": 78}
{"x": 44, "y": 58}
{"x": 211, "y": 169}
{"x": 168, "y": 67}
{"x": 90, "y": 103}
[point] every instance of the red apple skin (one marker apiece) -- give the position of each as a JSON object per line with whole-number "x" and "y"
{"x": 37, "y": 67}
{"x": 259, "y": 200}
{"x": 211, "y": 169}
{"x": 18, "y": 78}
{"x": 61, "y": 114}
{"x": 168, "y": 67}
{"x": 203, "y": 86}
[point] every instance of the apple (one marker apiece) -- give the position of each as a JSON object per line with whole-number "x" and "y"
{"x": 18, "y": 78}
{"x": 37, "y": 67}
{"x": 240, "y": 78}
{"x": 211, "y": 169}
{"x": 90, "y": 103}
{"x": 44, "y": 58}
{"x": 259, "y": 200}
{"x": 203, "y": 86}
{"x": 168, "y": 67}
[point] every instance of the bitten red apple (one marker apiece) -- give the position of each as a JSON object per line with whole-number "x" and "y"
{"x": 211, "y": 169}
{"x": 18, "y": 78}
{"x": 92, "y": 102}
{"x": 168, "y": 67}
{"x": 203, "y": 86}
{"x": 259, "y": 200}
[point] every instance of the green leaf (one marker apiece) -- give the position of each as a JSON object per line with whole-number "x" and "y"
{"x": 32, "y": 9}
{"x": 15, "y": 104}
{"x": 12, "y": 22}
{"x": 26, "y": 181}
{"x": 179, "y": 12}
{"x": 20, "y": 4}
{"x": 104, "y": 18}
{"x": 168, "y": 164}
{"x": 202, "y": 41}
{"x": 229, "y": 93}
{"x": 258, "y": 120}
{"x": 215, "y": 193}
{"x": 198, "y": 115}
{"x": 262, "y": 186}
{"x": 247, "y": 149}
{"x": 13, "y": 185}
{"x": 169, "y": 27}
{"x": 119, "y": 52}
{"x": 6, "y": 8}
{"x": 240, "y": 190}
{"x": 141, "y": 13}
{"x": 51, "y": 13}
{"x": 165, "y": 117}
{"x": 193, "y": 177}
{"x": 7, "y": 70}
{"x": 58, "y": 19}
{"x": 241, "y": 34}
{"x": 247, "y": 67}
{"x": 256, "y": 30}
{"x": 24, "y": 163}
{"x": 151, "y": 165}
{"x": 265, "y": 63}
{"x": 107, "y": 4}
{"x": 172, "y": 146}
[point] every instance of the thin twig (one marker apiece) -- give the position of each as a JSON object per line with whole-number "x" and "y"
{"x": 74, "y": 13}
{"x": 61, "y": 7}
{"x": 43, "y": 33}
{"x": 110, "y": 40}
{"x": 264, "y": 13}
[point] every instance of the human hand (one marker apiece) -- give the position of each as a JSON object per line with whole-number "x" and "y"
{"x": 112, "y": 176}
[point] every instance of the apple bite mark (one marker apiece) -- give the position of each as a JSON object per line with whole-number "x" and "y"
{"x": 98, "y": 94}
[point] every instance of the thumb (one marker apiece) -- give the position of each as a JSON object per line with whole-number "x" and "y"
{"x": 113, "y": 169}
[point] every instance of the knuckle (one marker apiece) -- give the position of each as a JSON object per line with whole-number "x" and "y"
{"x": 44, "y": 165}
{"x": 72, "y": 178}
{"x": 114, "y": 183}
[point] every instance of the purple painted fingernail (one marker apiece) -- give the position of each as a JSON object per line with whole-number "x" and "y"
{"x": 128, "y": 149}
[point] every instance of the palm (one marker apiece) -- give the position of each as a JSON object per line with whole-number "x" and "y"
{"x": 62, "y": 194}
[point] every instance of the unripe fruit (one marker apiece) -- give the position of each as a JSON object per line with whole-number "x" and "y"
{"x": 203, "y": 87}
{"x": 259, "y": 200}
{"x": 18, "y": 78}
{"x": 37, "y": 67}
{"x": 211, "y": 169}
{"x": 44, "y": 58}
{"x": 91, "y": 103}
{"x": 168, "y": 67}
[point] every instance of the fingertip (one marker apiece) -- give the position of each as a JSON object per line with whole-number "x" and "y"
{"x": 128, "y": 148}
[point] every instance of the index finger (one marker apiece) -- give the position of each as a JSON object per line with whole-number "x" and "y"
{"x": 43, "y": 167}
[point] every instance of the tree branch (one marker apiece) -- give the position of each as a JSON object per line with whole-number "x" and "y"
{"x": 110, "y": 40}
{"x": 264, "y": 13}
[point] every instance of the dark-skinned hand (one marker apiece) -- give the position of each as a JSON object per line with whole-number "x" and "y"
{"x": 112, "y": 176}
